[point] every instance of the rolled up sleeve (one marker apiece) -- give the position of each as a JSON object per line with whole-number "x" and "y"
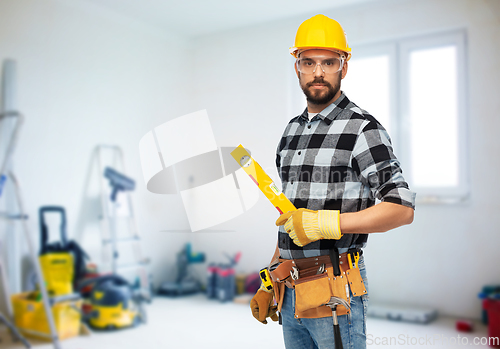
{"x": 379, "y": 169}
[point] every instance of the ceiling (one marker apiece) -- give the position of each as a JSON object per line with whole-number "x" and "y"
{"x": 192, "y": 18}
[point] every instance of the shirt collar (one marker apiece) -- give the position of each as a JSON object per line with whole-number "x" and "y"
{"x": 330, "y": 112}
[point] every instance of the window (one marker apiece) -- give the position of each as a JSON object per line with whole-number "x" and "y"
{"x": 415, "y": 87}
{"x": 433, "y": 114}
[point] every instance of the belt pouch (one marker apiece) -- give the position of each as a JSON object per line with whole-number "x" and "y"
{"x": 279, "y": 292}
{"x": 355, "y": 282}
{"x": 312, "y": 292}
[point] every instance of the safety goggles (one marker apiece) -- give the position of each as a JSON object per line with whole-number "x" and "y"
{"x": 308, "y": 65}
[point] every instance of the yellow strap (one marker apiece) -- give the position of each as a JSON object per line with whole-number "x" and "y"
{"x": 329, "y": 224}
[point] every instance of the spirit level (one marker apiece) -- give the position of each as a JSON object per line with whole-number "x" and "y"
{"x": 262, "y": 180}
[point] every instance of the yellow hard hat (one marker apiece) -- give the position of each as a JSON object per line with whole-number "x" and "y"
{"x": 321, "y": 32}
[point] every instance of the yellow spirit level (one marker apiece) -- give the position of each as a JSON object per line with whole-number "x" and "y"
{"x": 263, "y": 181}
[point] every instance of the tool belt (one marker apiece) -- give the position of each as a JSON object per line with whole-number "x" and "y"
{"x": 315, "y": 281}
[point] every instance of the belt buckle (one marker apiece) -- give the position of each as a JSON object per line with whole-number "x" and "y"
{"x": 294, "y": 273}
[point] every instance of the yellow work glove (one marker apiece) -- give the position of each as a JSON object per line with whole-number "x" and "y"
{"x": 262, "y": 305}
{"x": 305, "y": 226}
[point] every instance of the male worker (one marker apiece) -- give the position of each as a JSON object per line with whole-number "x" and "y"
{"x": 334, "y": 160}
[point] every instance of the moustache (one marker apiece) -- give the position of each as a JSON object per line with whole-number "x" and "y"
{"x": 319, "y": 81}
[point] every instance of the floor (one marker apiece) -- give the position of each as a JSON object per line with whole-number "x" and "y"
{"x": 195, "y": 322}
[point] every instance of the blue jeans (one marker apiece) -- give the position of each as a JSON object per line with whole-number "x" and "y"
{"x": 318, "y": 333}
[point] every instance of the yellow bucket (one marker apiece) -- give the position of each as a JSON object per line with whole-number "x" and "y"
{"x": 30, "y": 318}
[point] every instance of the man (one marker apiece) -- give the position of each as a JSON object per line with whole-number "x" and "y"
{"x": 334, "y": 160}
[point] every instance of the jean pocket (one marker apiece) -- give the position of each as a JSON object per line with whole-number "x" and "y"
{"x": 361, "y": 263}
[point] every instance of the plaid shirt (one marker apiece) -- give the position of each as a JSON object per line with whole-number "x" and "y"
{"x": 340, "y": 160}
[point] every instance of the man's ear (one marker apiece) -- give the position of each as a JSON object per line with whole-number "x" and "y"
{"x": 344, "y": 70}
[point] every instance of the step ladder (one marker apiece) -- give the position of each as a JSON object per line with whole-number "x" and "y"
{"x": 15, "y": 333}
{"x": 118, "y": 225}
{"x": 7, "y": 177}
{"x": 7, "y": 320}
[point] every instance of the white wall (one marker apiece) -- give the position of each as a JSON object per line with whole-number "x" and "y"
{"x": 86, "y": 76}
{"x": 444, "y": 258}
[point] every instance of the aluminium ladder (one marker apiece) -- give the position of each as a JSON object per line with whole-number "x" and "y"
{"x": 115, "y": 237}
{"x": 7, "y": 175}
{"x": 7, "y": 320}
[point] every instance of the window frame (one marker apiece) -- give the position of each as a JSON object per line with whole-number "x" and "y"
{"x": 405, "y": 46}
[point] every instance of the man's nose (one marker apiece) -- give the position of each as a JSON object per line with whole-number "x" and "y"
{"x": 318, "y": 71}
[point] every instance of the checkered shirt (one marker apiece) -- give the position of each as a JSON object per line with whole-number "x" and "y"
{"x": 340, "y": 160}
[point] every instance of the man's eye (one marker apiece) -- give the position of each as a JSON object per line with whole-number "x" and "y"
{"x": 329, "y": 63}
{"x": 307, "y": 64}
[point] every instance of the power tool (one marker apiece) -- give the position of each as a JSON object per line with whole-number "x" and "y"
{"x": 185, "y": 283}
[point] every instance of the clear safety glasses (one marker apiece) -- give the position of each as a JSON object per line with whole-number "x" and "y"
{"x": 308, "y": 65}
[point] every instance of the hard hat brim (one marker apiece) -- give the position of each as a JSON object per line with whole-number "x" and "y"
{"x": 295, "y": 51}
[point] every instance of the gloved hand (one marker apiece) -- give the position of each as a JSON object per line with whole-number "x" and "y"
{"x": 261, "y": 305}
{"x": 305, "y": 226}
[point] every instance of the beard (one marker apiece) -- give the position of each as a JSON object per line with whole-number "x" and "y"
{"x": 320, "y": 97}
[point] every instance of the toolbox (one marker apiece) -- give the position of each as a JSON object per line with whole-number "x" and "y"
{"x": 492, "y": 306}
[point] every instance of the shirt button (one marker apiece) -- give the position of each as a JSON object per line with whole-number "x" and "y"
{"x": 308, "y": 126}
{"x": 291, "y": 182}
{"x": 299, "y": 152}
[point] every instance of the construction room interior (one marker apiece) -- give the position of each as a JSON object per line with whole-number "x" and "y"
{"x": 124, "y": 214}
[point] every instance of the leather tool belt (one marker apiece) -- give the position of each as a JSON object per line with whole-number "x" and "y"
{"x": 315, "y": 281}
